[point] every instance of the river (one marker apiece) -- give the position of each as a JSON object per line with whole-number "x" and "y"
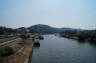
{"x": 55, "y": 49}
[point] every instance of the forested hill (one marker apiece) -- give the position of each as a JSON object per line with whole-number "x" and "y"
{"x": 43, "y": 28}
{"x": 46, "y": 28}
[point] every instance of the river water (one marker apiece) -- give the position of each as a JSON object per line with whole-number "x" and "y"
{"x": 55, "y": 49}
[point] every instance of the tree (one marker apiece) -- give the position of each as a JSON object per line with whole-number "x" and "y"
{"x": 24, "y": 37}
{"x": 4, "y": 30}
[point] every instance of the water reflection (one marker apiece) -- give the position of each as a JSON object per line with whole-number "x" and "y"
{"x": 93, "y": 44}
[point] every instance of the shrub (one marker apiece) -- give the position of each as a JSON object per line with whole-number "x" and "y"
{"x": 6, "y": 51}
{"x": 23, "y": 37}
{"x": 1, "y": 60}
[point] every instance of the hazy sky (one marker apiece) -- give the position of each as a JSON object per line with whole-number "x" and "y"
{"x": 57, "y": 13}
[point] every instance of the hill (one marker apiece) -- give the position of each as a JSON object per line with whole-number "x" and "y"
{"x": 41, "y": 28}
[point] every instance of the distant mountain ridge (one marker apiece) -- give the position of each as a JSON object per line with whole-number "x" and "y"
{"x": 45, "y": 28}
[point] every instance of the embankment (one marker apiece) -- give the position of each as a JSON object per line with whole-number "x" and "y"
{"x": 23, "y": 54}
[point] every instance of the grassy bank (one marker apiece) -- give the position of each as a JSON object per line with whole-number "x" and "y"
{"x": 30, "y": 56}
{"x": 22, "y": 55}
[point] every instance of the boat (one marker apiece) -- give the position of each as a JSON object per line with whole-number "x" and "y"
{"x": 41, "y": 37}
{"x": 36, "y": 44}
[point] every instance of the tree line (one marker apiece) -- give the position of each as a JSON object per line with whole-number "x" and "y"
{"x": 82, "y": 35}
{"x": 5, "y": 30}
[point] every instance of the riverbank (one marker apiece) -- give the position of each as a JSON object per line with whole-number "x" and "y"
{"x": 22, "y": 55}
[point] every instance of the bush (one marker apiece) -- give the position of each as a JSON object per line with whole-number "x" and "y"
{"x": 6, "y": 51}
{"x": 1, "y": 60}
{"x": 28, "y": 36}
{"x": 24, "y": 37}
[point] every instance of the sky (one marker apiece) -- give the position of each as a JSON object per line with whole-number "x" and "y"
{"x": 56, "y": 13}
